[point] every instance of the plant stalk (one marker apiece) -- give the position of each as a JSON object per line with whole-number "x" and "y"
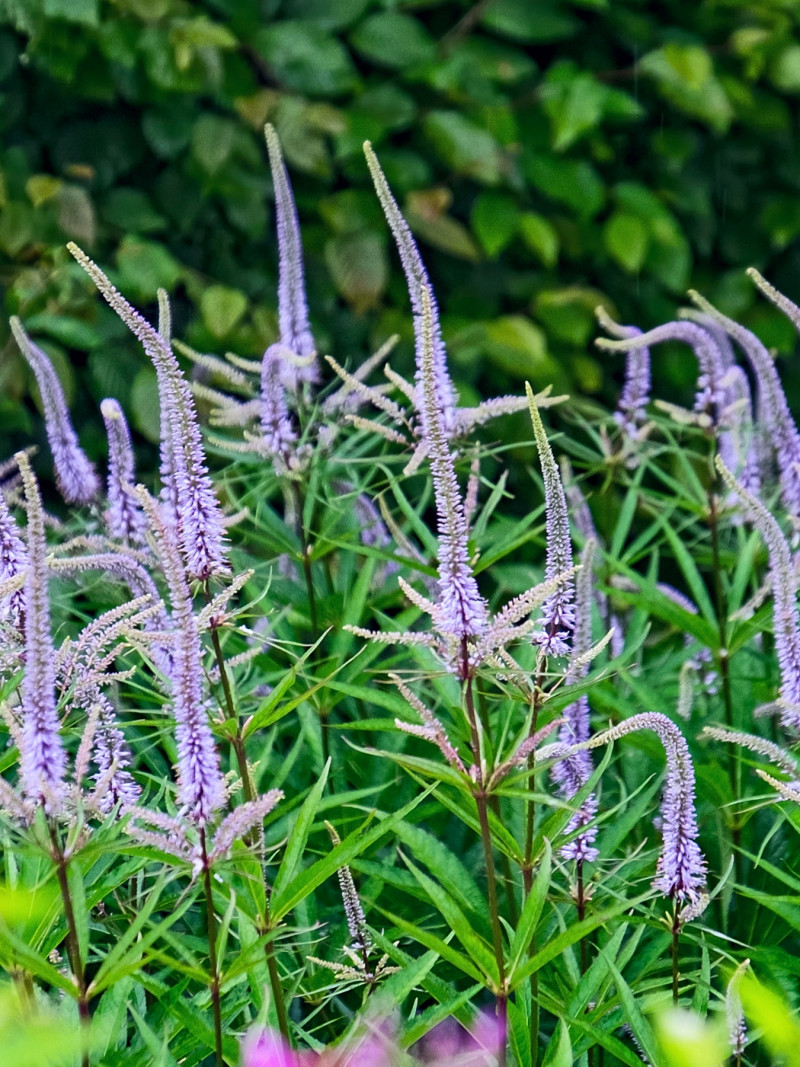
{"x": 73, "y": 943}
{"x": 211, "y": 919}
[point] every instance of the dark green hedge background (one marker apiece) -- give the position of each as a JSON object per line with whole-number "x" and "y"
{"x": 548, "y": 154}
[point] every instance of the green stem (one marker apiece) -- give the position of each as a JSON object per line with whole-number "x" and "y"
{"x": 256, "y": 836}
{"x": 676, "y": 928}
{"x": 481, "y": 802}
{"x": 723, "y": 665}
{"x": 73, "y": 943}
{"x": 211, "y": 922}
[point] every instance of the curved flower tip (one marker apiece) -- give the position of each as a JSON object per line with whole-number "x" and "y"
{"x": 76, "y": 477}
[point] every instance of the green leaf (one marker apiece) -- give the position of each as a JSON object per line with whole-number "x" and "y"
{"x": 573, "y": 182}
{"x": 212, "y": 141}
{"x": 353, "y": 845}
{"x": 531, "y": 914}
{"x": 633, "y": 1014}
{"x": 559, "y": 1048}
{"x": 359, "y": 267}
{"x": 494, "y": 219}
{"x": 306, "y": 58}
{"x": 626, "y": 240}
{"x": 298, "y": 834}
{"x": 540, "y": 236}
{"x": 222, "y": 308}
{"x": 392, "y": 39}
{"x": 463, "y": 145}
{"x": 518, "y": 346}
{"x": 478, "y": 949}
{"x": 83, "y": 12}
{"x": 145, "y": 267}
{"x": 521, "y": 20}
{"x": 145, "y": 404}
{"x": 574, "y": 106}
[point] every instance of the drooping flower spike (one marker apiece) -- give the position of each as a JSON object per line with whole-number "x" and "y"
{"x": 42, "y": 758}
{"x": 710, "y": 398}
{"x": 124, "y": 516}
{"x": 773, "y": 414}
{"x": 681, "y": 868}
{"x": 76, "y": 477}
{"x": 190, "y": 491}
{"x": 631, "y": 413}
{"x": 295, "y": 330}
{"x": 786, "y": 622}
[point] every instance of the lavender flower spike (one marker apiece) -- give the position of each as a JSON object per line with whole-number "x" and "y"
{"x": 294, "y": 326}
{"x": 572, "y": 773}
{"x": 123, "y": 516}
{"x": 461, "y": 611}
{"x": 13, "y": 561}
{"x": 201, "y": 788}
{"x": 681, "y": 867}
{"x": 710, "y": 395}
{"x": 42, "y": 758}
{"x": 631, "y": 411}
{"x": 776, "y": 420}
{"x": 75, "y": 476}
{"x": 558, "y": 613}
{"x": 786, "y": 622}
{"x": 198, "y": 516}
{"x": 418, "y": 282}
{"x": 277, "y": 433}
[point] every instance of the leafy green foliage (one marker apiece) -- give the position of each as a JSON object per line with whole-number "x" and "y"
{"x": 535, "y": 147}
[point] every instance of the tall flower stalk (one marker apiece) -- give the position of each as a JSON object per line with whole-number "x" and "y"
{"x": 75, "y": 475}
{"x": 190, "y": 492}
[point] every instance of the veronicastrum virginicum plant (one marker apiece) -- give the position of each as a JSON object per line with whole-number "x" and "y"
{"x": 193, "y": 682}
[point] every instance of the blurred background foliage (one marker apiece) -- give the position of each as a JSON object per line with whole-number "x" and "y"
{"x": 548, "y": 154}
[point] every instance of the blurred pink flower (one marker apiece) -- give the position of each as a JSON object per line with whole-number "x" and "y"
{"x": 448, "y": 1045}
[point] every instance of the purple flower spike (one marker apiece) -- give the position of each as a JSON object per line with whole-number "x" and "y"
{"x": 293, "y": 321}
{"x": 115, "y": 783}
{"x": 13, "y": 561}
{"x": 75, "y": 476}
{"x": 418, "y": 283}
{"x": 710, "y": 392}
{"x": 681, "y": 869}
{"x": 42, "y": 758}
{"x": 461, "y": 611}
{"x": 123, "y": 516}
{"x": 773, "y": 411}
{"x": 572, "y": 773}
{"x": 558, "y": 612}
{"x": 278, "y": 435}
{"x": 786, "y": 622}
{"x": 199, "y": 520}
{"x": 201, "y": 788}
{"x": 631, "y": 411}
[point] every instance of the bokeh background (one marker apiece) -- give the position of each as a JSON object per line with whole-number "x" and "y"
{"x": 549, "y": 155}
